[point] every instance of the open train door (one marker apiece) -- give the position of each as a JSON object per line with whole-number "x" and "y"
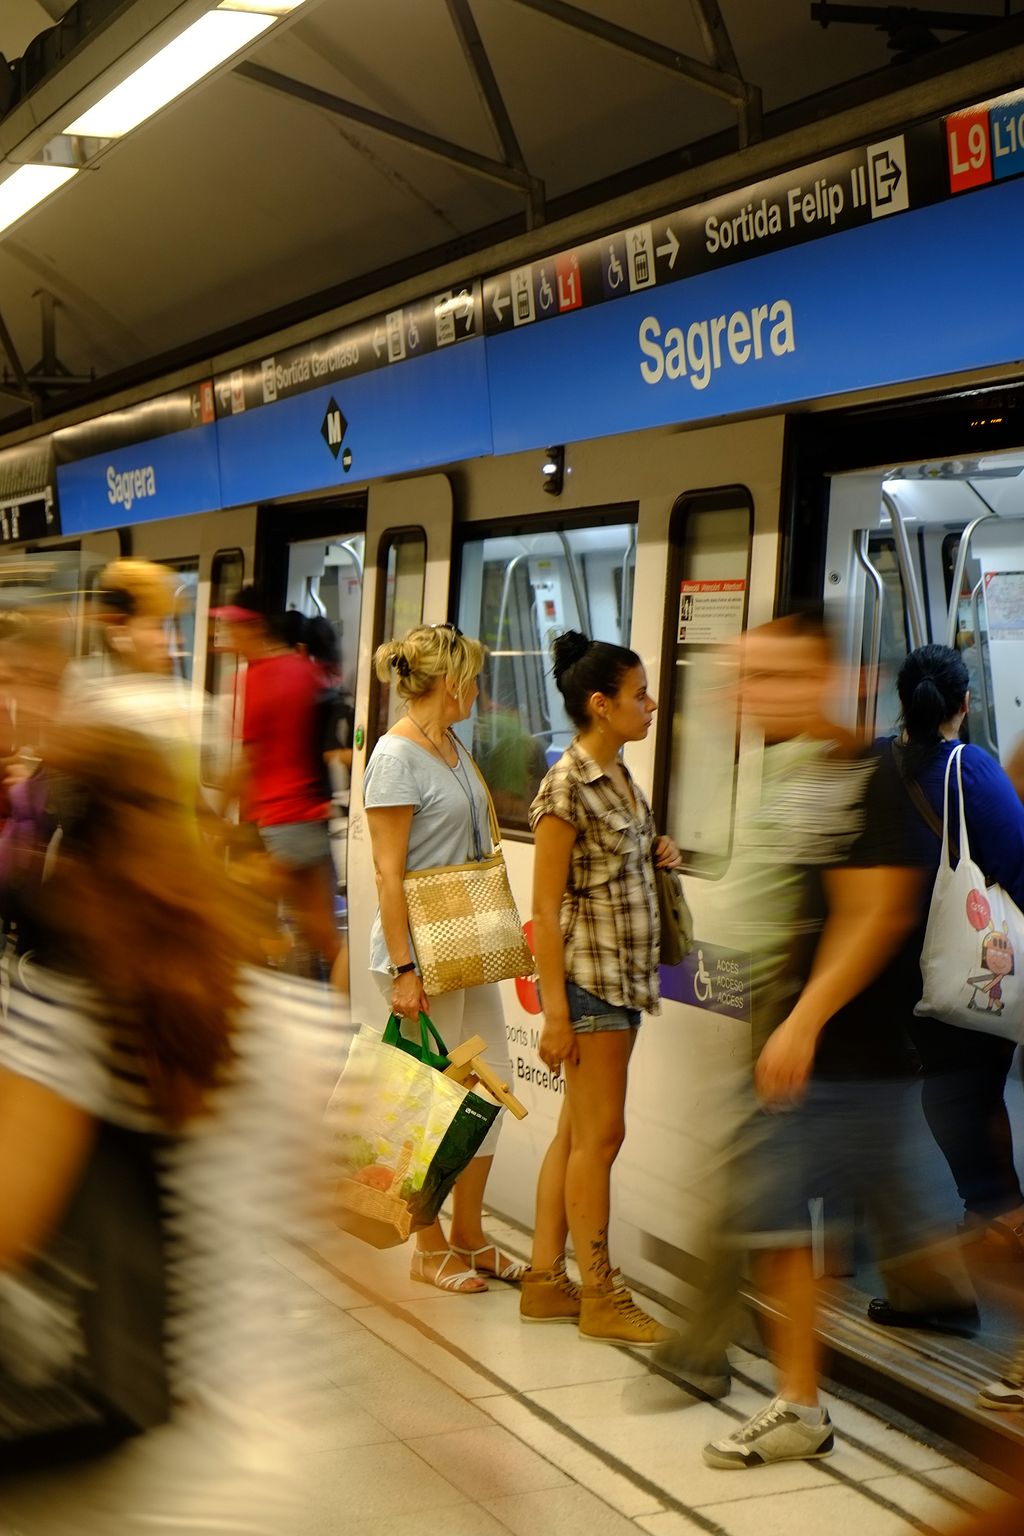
{"x": 406, "y": 582}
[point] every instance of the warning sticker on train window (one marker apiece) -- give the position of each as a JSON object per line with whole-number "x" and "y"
{"x": 1004, "y": 604}
{"x": 710, "y": 611}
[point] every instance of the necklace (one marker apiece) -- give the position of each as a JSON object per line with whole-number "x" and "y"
{"x": 447, "y": 736}
{"x": 459, "y": 777}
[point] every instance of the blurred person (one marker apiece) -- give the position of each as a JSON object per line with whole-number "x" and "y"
{"x": 134, "y": 607}
{"x": 279, "y": 782}
{"x": 426, "y": 808}
{"x": 334, "y": 734}
{"x": 595, "y": 925}
{"x": 153, "y": 1125}
{"x": 832, "y": 885}
{"x": 336, "y": 712}
{"x": 33, "y": 658}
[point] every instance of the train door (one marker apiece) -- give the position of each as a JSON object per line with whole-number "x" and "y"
{"x": 933, "y": 552}
{"x": 406, "y": 571}
{"x": 309, "y": 558}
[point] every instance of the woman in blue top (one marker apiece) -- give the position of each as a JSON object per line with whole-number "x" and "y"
{"x": 965, "y": 1070}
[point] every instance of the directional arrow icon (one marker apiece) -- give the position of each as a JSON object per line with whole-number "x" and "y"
{"x": 378, "y": 341}
{"x": 670, "y": 248}
{"x": 499, "y": 305}
{"x": 887, "y": 174}
{"x": 464, "y": 306}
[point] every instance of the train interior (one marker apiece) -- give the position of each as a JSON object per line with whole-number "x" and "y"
{"x": 918, "y": 553}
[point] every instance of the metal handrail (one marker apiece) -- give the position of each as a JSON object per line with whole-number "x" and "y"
{"x": 628, "y": 559}
{"x": 354, "y": 555}
{"x": 506, "y": 587}
{"x": 875, "y": 652}
{"x": 982, "y": 676}
{"x": 582, "y": 603}
{"x": 962, "y": 551}
{"x": 911, "y": 589}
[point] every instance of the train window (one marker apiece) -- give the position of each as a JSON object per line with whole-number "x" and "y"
{"x": 227, "y": 571}
{"x": 183, "y": 621}
{"x": 403, "y": 559}
{"x": 710, "y": 536}
{"x": 895, "y": 636}
{"x": 517, "y": 590}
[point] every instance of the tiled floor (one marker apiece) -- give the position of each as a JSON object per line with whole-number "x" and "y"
{"x": 439, "y": 1415}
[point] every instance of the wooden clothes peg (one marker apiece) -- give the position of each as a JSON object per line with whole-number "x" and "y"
{"x": 466, "y": 1061}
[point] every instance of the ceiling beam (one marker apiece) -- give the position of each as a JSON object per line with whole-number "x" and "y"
{"x": 718, "y": 43}
{"x": 24, "y": 389}
{"x": 441, "y": 149}
{"x": 746, "y": 99}
{"x": 715, "y": 35}
{"x": 487, "y": 85}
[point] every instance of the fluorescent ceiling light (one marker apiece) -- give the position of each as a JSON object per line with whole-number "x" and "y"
{"x": 199, "y": 49}
{"x": 27, "y": 187}
{"x": 266, "y": 7}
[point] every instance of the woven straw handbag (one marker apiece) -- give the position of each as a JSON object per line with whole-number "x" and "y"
{"x": 465, "y": 927}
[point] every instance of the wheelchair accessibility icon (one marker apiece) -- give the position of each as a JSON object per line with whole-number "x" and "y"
{"x": 616, "y": 274}
{"x": 701, "y": 980}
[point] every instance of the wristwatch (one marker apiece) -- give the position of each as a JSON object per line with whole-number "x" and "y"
{"x": 394, "y": 971}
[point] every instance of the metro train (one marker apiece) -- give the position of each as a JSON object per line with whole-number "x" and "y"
{"x": 885, "y": 475}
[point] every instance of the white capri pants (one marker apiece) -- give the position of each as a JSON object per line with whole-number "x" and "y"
{"x": 457, "y": 1016}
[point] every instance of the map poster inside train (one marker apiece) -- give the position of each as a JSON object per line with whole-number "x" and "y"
{"x": 710, "y": 611}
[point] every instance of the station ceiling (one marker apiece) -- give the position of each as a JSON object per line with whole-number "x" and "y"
{"x": 255, "y": 191}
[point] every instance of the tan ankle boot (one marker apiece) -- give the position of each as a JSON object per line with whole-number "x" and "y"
{"x": 549, "y": 1296}
{"x": 612, "y": 1316}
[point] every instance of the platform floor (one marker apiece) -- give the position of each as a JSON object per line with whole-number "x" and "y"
{"x": 429, "y": 1413}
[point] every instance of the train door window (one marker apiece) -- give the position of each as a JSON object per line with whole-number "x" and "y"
{"x": 710, "y": 537}
{"x": 182, "y": 624}
{"x": 404, "y": 562}
{"x": 518, "y": 588}
{"x": 220, "y": 726}
{"x": 895, "y": 635}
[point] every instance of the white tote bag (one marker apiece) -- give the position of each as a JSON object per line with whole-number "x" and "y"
{"x": 975, "y": 937}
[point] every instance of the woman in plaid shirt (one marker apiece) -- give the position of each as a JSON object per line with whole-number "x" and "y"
{"x": 595, "y": 924}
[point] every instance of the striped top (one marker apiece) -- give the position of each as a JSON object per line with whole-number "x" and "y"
{"x": 609, "y": 915}
{"x": 236, "y": 1179}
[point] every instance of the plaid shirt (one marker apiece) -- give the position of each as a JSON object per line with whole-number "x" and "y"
{"x": 609, "y": 913}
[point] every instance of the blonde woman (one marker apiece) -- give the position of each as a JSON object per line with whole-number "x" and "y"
{"x": 425, "y": 808}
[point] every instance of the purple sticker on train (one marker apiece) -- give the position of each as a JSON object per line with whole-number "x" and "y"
{"x": 712, "y": 978}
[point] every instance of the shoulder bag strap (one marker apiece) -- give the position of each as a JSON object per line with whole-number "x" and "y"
{"x": 958, "y": 753}
{"x": 927, "y": 815}
{"x": 492, "y": 813}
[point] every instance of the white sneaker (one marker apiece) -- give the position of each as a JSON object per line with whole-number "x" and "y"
{"x": 776, "y": 1433}
{"x": 1007, "y": 1394}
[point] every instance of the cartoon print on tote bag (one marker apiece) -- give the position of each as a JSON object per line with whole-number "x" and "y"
{"x": 997, "y": 957}
{"x": 975, "y": 933}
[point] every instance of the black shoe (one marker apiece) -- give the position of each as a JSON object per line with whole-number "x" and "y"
{"x": 961, "y": 1321}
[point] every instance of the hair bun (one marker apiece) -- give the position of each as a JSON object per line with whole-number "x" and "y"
{"x": 567, "y": 649}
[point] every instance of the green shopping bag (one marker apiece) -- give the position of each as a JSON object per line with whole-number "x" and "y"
{"x": 401, "y": 1133}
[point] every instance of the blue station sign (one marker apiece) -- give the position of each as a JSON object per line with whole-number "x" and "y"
{"x": 832, "y": 277}
{"x": 154, "y": 460}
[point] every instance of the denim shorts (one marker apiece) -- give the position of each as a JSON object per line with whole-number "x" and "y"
{"x": 590, "y": 1015}
{"x": 298, "y": 844}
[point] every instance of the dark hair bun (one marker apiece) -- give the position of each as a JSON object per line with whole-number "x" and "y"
{"x": 567, "y": 649}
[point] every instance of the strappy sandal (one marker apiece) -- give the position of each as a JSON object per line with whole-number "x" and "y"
{"x": 504, "y": 1267}
{"x": 457, "y": 1282}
